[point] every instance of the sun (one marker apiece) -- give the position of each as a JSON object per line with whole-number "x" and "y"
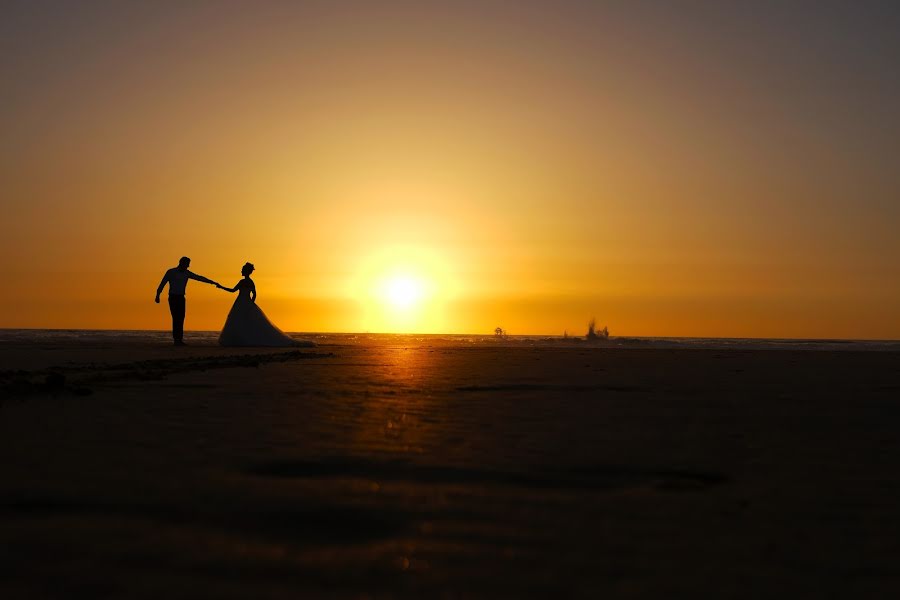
{"x": 402, "y": 291}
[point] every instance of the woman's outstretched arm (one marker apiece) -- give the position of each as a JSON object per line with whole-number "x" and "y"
{"x": 232, "y": 290}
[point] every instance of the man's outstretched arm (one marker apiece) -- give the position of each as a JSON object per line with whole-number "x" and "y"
{"x": 162, "y": 284}
{"x": 201, "y": 278}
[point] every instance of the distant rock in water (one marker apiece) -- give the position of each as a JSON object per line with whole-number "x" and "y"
{"x": 593, "y": 335}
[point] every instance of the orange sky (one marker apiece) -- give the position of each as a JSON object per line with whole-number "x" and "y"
{"x": 700, "y": 172}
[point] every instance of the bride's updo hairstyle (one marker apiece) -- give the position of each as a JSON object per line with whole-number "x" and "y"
{"x": 247, "y": 269}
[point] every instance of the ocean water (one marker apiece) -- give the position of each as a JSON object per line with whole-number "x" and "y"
{"x": 13, "y": 336}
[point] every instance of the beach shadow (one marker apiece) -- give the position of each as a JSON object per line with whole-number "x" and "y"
{"x": 304, "y": 524}
{"x": 528, "y": 387}
{"x": 588, "y": 478}
{"x": 253, "y": 542}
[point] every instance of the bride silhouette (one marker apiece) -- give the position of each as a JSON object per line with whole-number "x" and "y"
{"x": 247, "y": 324}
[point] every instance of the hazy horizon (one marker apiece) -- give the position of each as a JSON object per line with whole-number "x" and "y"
{"x": 705, "y": 170}
{"x": 579, "y": 335}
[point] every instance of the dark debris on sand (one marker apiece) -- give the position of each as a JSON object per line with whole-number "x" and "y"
{"x": 73, "y": 380}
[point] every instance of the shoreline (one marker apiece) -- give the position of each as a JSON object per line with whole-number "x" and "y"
{"x": 553, "y": 336}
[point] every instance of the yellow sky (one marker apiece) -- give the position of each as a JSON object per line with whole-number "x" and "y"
{"x": 530, "y": 170}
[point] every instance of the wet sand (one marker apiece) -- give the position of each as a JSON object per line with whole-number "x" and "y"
{"x": 137, "y": 470}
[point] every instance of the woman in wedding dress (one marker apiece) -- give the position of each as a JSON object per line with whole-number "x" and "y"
{"x": 247, "y": 324}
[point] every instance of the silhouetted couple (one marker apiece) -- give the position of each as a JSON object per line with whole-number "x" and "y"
{"x": 246, "y": 324}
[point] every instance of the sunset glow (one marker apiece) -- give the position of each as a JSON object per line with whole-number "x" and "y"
{"x": 432, "y": 167}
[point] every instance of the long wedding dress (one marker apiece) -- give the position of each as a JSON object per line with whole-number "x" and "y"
{"x": 247, "y": 324}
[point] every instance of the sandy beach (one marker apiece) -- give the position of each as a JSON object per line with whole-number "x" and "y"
{"x": 433, "y": 469}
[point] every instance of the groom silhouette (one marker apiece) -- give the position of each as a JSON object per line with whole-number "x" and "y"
{"x": 177, "y": 278}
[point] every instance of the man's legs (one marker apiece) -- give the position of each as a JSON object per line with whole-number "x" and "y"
{"x": 176, "y": 307}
